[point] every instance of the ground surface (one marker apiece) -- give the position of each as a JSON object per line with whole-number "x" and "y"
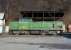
{"x": 34, "y": 43}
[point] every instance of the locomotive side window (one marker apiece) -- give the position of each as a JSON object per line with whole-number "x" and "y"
{"x": 43, "y": 15}
{"x": 53, "y": 16}
{"x": 37, "y": 16}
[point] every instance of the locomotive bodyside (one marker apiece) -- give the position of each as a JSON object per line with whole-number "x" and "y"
{"x": 39, "y": 27}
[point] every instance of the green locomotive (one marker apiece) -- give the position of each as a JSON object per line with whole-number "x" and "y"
{"x": 21, "y": 27}
{"x": 28, "y": 25}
